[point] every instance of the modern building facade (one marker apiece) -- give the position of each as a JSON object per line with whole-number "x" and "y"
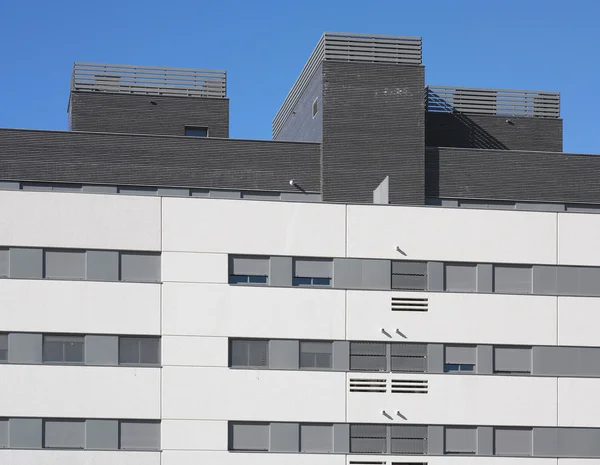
{"x": 405, "y": 274}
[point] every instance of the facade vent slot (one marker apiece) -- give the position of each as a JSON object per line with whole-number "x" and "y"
{"x": 368, "y": 385}
{"x": 409, "y": 386}
{"x": 409, "y": 463}
{"x": 410, "y": 304}
{"x": 363, "y": 462}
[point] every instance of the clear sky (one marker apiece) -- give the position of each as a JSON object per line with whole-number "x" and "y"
{"x": 263, "y": 44}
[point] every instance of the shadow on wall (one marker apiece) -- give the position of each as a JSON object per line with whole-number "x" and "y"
{"x": 455, "y": 129}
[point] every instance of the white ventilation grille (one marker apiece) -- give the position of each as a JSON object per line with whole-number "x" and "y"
{"x": 368, "y": 385}
{"x": 410, "y": 304}
{"x": 409, "y": 386}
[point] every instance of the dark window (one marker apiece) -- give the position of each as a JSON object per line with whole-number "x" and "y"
{"x": 63, "y": 349}
{"x": 449, "y": 367}
{"x": 64, "y": 434}
{"x": 248, "y": 270}
{"x": 139, "y": 350}
{"x": 249, "y": 436}
{"x": 3, "y": 347}
{"x": 315, "y": 107}
{"x": 249, "y": 353}
{"x": 312, "y": 272}
{"x": 316, "y": 354}
{"x": 194, "y": 131}
{"x": 459, "y": 358}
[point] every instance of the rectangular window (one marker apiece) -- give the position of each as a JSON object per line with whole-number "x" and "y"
{"x": 140, "y": 267}
{"x": 460, "y": 440}
{"x": 409, "y": 276}
{"x": 368, "y": 439}
{"x": 249, "y": 437}
{"x": 514, "y": 360}
{"x": 408, "y": 357}
{"x": 139, "y": 350}
{"x": 461, "y": 277}
{"x": 316, "y": 438}
{"x": 139, "y": 435}
{"x": 408, "y": 439}
{"x": 368, "y": 356}
{"x": 248, "y": 270}
{"x": 315, "y": 107}
{"x": 460, "y": 359}
{"x": 312, "y": 272}
{"x": 513, "y": 279}
{"x": 64, "y": 434}
{"x": 64, "y": 264}
{"x": 196, "y": 131}
{"x": 512, "y": 441}
{"x": 63, "y": 349}
{"x": 249, "y": 353}
{"x": 316, "y": 355}
{"x": 3, "y": 433}
{"x": 3, "y": 347}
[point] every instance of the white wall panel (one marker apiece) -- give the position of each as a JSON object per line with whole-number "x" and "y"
{"x": 578, "y": 321}
{"x": 227, "y": 458}
{"x": 80, "y": 391}
{"x": 424, "y": 233}
{"x": 189, "y": 267}
{"x": 79, "y": 306}
{"x": 246, "y": 311}
{"x": 459, "y": 399}
{"x": 194, "y": 435}
{"x": 226, "y": 394}
{"x": 460, "y": 460}
{"x": 579, "y": 402}
{"x": 578, "y": 239}
{"x": 454, "y": 317}
{"x": 77, "y": 457}
{"x": 239, "y": 226}
{"x": 56, "y": 219}
{"x": 199, "y": 351}
{"x": 578, "y": 461}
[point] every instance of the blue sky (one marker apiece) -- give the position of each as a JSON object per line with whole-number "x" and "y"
{"x": 263, "y": 44}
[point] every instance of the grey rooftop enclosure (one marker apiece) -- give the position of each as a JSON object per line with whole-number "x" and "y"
{"x": 498, "y": 102}
{"x": 347, "y": 47}
{"x": 146, "y": 80}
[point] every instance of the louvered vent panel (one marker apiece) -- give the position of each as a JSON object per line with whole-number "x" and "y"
{"x": 410, "y": 304}
{"x": 409, "y": 386}
{"x": 409, "y": 357}
{"x": 368, "y": 385}
{"x": 368, "y": 462}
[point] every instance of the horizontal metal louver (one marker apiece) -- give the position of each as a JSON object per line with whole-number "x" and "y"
{"x": 368, "y": 385}
{"x": 410, "y": 304}
{"x": 410, "y": 386}
{"x": 409, "y": 275}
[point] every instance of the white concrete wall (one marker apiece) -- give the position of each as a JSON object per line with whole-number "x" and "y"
{"x": 246, "y": 311}
{"x": 578, "y": 239}
{"x": 56, "y": 219}
{"x": 243, "y": 227}
{"x": 579, "y": 402}
{"x": 459, "y": 399}
{"x": 79, "y": 307}
{"x": 194, "y": 267}
{"x": 79, "y": 391}
{"x": 454, "y": 317}
{"x": 268, "y": 395}
{"x": 194, "y": 435}
{"x": 578, "y": 321}
{"x": 227, "y": 458}
{"x": 200, "y": 351}
{"x": 77, "y": 457}
{"x": 451, "y": 234}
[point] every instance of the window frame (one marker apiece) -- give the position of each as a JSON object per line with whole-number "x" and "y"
{"x": 63, "y": 348}
{"x": 4, "y": 336}
{"x": 187, "y": 128}
{"x": 315, "y": 107}
{"x": 314, "y": 356}
{"x": 139, "y": 340}
{"x": 247, "y": 342}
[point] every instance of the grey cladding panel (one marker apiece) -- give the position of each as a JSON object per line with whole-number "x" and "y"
{"x": 140, "y": 435}
{"x": 140, "y": 267}
{"x": 316, "y": 438}
{"x": 172, "y": 192}
{"x": 102, "y": 434}
{"x": 545, "y": 279}
{"x": 485, "y": 359}
{"x": 223, "y": 194}
{"x": 251, "y": 266}
{"x": 8, "y": 185}
{"x": 25, "y": 348}
{"x": 485, "y": 277}
{"x": 250, "y": 436}
{"x": 435, "y": 276}
{"x": 4, "y": 263}
{"x": 512, "y": 359}
{"x": 513, "y": 442}
{"x": 460, "y": 440}
{"x": 283, "y": 354}
{"x": 280, "y": 271}
{"x": 341, "y": 355}
{"x": 461, "y": 277}
{"x": 26, "y": 263}
{"x": 25, "y": 433}
{"x": 102, "y": 265}
{"x": 91, "y": 189}
{"x": 485, "y": 440}
{"x": 3, "y": 433}
{"x": 461, "y": 354}
{"x": 313, "y": 268}
{"x": 64, "y": 434}
{"x": 285, "y": 437}
{"x": 435, "y": 440}
{"x": 341, "y": 438}
{"x": 513, "y": 279}
{"x": 353, "y": 273}
{"x": 64, "y": 264}
{"x": 435, "y": 358}
{"x": 102, "y": 350}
